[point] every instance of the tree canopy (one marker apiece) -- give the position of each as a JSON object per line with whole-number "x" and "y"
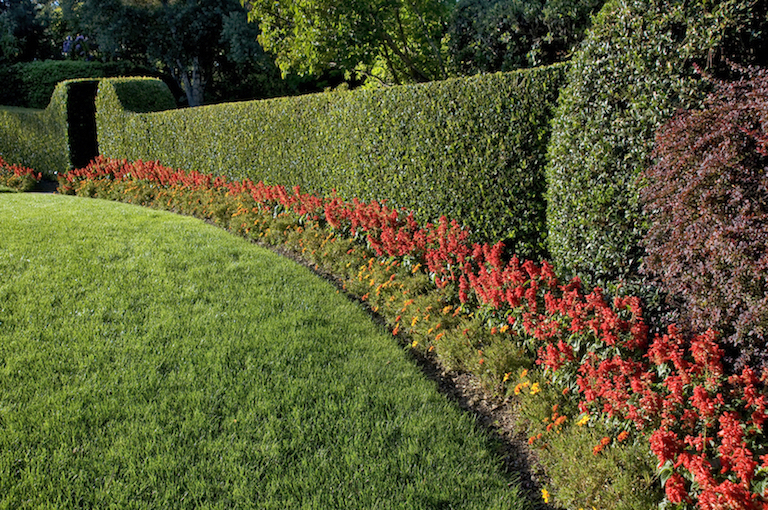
{"x": 393, "y": 41}
{"x": 26, "y": 30}
{"x": 501, "y": 35}
{"x": 197, "y": 42}
{"x": 213, "y": 53}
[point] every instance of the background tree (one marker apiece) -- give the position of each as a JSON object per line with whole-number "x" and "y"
{"x": 26, "y": 31}
{"x": 391, "y": 41}
{"x": 501, "y": 35}
{"x": 188, "y": 39}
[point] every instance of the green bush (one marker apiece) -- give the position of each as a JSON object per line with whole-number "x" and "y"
{"x": 33, "y": 82}
{"x": 471, "y": 149}
{"x": 50, "y": 140}
{"x": 634, "y": 69}
{"x": 37, "y": 138}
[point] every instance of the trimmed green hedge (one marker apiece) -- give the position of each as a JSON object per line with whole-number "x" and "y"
{"x": 50, "y": 140}
{"x": 30, "y": 84}
{"x": 472, "y": 149}
{"x": 37, "y": 138}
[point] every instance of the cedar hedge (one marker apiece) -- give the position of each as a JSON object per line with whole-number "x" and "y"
{"x": 471, "y": 149}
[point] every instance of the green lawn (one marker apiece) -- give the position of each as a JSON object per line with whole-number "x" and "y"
{"x": 149, "y": 360}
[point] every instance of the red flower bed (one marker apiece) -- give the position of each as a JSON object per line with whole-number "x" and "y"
{"x": 705, "y": 426}
{"x": 18, "y": 177}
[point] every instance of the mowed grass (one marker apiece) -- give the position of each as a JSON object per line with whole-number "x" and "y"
{"x": 149, "y": 360}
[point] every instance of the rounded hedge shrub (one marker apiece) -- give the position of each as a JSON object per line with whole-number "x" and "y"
{"x": 633, "y": 70}
{"x": 707, "y": 199}
{"x": 32, "y": 83}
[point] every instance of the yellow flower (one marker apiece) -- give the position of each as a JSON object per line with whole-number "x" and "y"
{"x": 545, "y": 495}
{"x": 523, "y": 373}
{"x": 583, "y": 421}
{"x": 414, "y": 343}
{"x": 506, "y": 376}
{"x": 535, "y": 388}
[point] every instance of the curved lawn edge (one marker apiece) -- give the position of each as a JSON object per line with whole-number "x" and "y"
{"x": 150, "y": 360}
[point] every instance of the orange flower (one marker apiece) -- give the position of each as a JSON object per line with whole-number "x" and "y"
{"x": 601, "y": 445}
{"x": 623, "y": 435}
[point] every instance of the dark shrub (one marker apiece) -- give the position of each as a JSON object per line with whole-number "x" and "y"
{"x": 707, "y": 199}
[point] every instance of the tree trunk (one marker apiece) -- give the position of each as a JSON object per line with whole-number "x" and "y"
{"x": 191, "y": 82}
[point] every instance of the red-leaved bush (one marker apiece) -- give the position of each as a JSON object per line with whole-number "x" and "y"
{"x": 707, "y": 200}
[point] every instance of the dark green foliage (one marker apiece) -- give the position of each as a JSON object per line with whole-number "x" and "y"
{"x": 471, "y": 149}
{"x": 33, "y": 82}
{"x": 634, "y": 69}
{"x": 142, "y": 95}
{"x": 37, "y": 138}
{"x": 206, "y": 46}
{"x": 25, "y": 31}
{"x": 707, "y": 199}
{"x": 503, "y": 35}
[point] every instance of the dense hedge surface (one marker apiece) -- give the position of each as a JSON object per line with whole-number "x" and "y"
{"x": 634, "y": 69}
{"x": 471, "y": 149}
{"x": 37, "y": 138}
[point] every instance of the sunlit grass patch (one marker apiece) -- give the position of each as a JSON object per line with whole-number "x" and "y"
{"x": 152, "y": 361}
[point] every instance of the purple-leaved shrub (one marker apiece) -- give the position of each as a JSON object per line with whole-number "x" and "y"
{"x": 707, "y": 200}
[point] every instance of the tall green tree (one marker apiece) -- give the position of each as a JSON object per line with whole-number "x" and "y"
{"x": 26, "y": 31}
{"x": 390, "y": 41}
{"x": 189, "y": 39}
{"x": 501, "y": 35}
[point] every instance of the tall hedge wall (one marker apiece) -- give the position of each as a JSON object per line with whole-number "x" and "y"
{"x": 472, "y": 149}
{"x": 37, "y": 138}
